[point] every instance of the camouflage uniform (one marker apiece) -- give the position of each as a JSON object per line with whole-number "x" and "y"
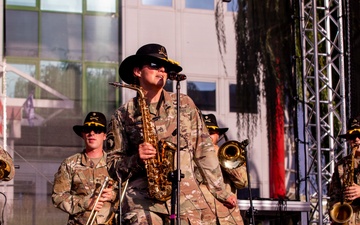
{"x": 7, "y": 169}
{"x": 341, "y": 172}
{"x": 75, "y": 183}
{"x": 196, "y": 150}
{"x": 234, "y": 179}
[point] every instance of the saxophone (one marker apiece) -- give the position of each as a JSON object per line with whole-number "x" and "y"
{"x": 159, "y": 167}
{"x": 342, "y": 212}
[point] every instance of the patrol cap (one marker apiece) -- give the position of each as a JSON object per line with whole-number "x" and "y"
{"x": 211, "y": 123}
{"x": 154, "y": 53}
{"x": 93, "y": 120}
{"x": 353, "y": 129}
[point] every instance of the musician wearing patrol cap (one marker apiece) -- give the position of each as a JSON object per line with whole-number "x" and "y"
{"x": 344, "y": 189}
{"x": 143, "y": 138}
{"x": 234, "y": 178}
{"x": 80, "y": 185}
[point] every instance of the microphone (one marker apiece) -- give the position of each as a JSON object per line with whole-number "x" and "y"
{"x": 176, "y": 76}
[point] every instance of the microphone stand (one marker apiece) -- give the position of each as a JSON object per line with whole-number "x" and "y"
{"x": 176, "y": 175}
{"x": 251, "y": 211}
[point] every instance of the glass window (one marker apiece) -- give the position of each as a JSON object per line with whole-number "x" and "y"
{"x": 21, "y": 33}
{"x": 100, "y": 95}
{"x": 232, "y": 6}
{"x": 101, "y": 39}
{"x": 31, "y": 3}
{"x": 203, "y": 94}
{"x": 64, "y": 42}
{"x": 62, "y": 5}
{"x": 101, "y": 6}
{"x": 169, "y": 85}
{"x": 64, "y": 77}
{"x": 157, "y": 2}
{"x": 200, "y": 4}
{"x": 243, "y": 100}
{"x": 16, "y": 85}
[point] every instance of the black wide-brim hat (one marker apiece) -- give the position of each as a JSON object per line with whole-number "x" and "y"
{"x": 211, "y": 124}
{"x": 353, "y": 128}
{"x": 93, "y": 119}
{"x": 154, "y": 52}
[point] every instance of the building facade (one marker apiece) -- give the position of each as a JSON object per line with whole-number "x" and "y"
{"x": 58, "y": 58}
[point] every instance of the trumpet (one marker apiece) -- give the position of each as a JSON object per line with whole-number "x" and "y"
{"x": 93, "y": 213}
{"x": 5, "y": 169}
{"x": 231, "y": 154}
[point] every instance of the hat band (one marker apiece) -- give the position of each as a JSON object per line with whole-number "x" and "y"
{"x": 354, "y": 130}
{"x": 213, "y": 127}
{"x": 94, "y": 123}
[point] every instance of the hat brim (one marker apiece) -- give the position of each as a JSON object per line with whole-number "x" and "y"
{"x": 222, "y": 130}
{"x": 79, "y": 128}
{"x": 127, "y": 66}
{"x": 348, "y": 136}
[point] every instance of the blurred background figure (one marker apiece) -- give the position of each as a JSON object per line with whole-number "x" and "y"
{"x": 235, "y": 177}
{"x": 81, "y": 177}
{"x": 344, "y": 189}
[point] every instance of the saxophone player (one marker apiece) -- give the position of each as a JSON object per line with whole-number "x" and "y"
{"x": 80, "y": 176}
{"x": 130, "y": 143}
{"x": 234, "y": 178}
{"x": 344, "y": 189}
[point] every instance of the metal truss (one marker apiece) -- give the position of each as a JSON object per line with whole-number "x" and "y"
{"x": 323, "y": 98}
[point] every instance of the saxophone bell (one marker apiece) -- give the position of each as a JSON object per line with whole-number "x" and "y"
{"x": 341, "y": 212}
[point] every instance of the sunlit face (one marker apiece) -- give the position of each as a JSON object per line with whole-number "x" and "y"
{"x": 214, "y": 134}
{"x": 152, "y": 74}
{"x": 94, "y": 139}
{"x": 355, "y": 140}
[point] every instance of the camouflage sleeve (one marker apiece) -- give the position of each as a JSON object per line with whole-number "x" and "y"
{"x": 238, "y": 176}
{"x": 62, "y": 196}
{"x": 116, "y": 145}
{"x": 206, "y": 158}
{"x": 335, "y": 190}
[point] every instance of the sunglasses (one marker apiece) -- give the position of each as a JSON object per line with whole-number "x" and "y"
{"x": 96, "y": 130}
{"x": 353, "y": 137}
{"x": 155, "y": 65}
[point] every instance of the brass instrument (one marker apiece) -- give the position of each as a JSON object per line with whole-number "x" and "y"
{"x": 5, "y": 169}
{"x": 93, "y": 213}
{"x": 342, "y": 212}
{"x": 232, "y": 154}
{"x": 159, "y": 167}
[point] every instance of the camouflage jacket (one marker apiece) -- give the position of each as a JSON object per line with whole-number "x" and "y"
{"x": 196, "y": 151}
{"x": 335, "y": 192}
{"x": 234, "y": 179}
{"x": 76, "y": 181}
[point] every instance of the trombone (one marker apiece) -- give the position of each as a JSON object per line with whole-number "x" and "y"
{"x": 93, "y": 213}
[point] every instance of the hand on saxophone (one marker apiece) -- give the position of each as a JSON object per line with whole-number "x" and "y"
{"x": 352, "y": 192}
{"x": 230, "y": 202}
{"x": 106, "y": 196}
{"x": 146, "y": 151}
